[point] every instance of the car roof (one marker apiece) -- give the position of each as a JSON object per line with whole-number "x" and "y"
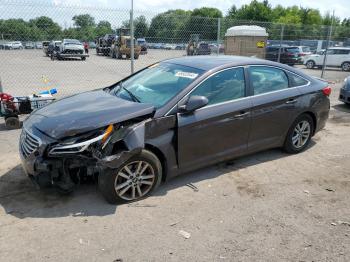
{"x": 339, "y": 47}
{"x": 212, "y": 62}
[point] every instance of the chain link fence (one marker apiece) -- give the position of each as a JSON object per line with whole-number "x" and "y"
{"x": 26, "y": 28}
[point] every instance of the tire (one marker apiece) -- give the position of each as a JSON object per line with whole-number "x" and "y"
{"x": 136, "y": 56}
{"x": 132, "y": 181}
{"x": 310, "y": 64}
{"x": 296, "y": 143}
{"x": 12, "y": 122}
{"x": 345, "y": 66}
{"x": 83, "y": 58}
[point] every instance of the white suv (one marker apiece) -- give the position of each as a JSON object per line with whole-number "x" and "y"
{"x": 336, "y": 57}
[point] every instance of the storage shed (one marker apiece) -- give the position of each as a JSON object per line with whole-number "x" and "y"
{"x": 246, "y": 40}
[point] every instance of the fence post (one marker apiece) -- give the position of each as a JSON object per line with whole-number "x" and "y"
{"x": 328, "y": 41}
{"x": 132, "y": 56}
{"x": 218, "y": 36}
{"x": 1, "y": 89}
{"x": 281, "y": 39}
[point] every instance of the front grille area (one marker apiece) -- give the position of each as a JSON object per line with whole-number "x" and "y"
{"x": 28, "y": 143}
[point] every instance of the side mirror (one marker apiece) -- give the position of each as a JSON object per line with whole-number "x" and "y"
{"x": 193, "y": 103}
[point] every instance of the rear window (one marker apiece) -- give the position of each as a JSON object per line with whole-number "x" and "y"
{"x": 295, "y": 80}
{"x": 306, "y": 49}
{"x": 292, "y": 50}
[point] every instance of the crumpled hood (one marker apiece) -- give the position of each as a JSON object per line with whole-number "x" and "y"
{"x": 84, "y": 112}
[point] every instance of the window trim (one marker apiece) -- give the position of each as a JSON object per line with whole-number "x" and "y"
{"x": 251, "y": 84}
{"x": 246, "y": 84}
{"x": 285, "y": 70}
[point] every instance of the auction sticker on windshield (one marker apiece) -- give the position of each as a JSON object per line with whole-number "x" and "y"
{"x": 186, "y": 74}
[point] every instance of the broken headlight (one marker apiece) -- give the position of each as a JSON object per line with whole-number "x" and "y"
{"x": 73, "y": 147}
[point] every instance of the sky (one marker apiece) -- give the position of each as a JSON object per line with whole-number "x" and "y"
{"x": 116, "y": 11}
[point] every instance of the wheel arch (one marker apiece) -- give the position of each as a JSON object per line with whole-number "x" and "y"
{"x": 344, "y": 63}
{"x": 160, "y": 155}
{"x": 314, "y": 119}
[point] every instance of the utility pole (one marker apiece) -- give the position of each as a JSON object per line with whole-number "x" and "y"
{"x": 328, "y": 42}
{"x": 132, "y": 56}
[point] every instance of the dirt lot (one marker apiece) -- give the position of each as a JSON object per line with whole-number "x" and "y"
{"x": 268, "y": 206}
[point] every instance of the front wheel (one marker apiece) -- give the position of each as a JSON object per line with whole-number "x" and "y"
{"x": 299, "y": 134}
{"x": 133, "y": 180}
{"x": 310, "y": 64}
{"x": 345, "y": 66}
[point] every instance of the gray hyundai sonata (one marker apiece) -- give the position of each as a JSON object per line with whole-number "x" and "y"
{"x": 169, "y": 118}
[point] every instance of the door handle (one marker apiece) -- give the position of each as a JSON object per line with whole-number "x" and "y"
{"x": 291, "y": 101}
{"x": 242, "y": 114}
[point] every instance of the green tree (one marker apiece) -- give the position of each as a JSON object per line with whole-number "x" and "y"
{"x": 103, "y": 28}
{"x": 83, "y": 21}
{"x": 45, "y": 28}
{"x": 169, "y": 26}
{"x": 141, "y": 26}
{"x": 255, "y": 11}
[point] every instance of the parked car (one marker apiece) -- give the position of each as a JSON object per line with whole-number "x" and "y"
{"x": 13, "y": 45}
{"x": 170, "y": 118}
{"x": 303, "y": 51}
{"x": 288, "y": 55}
{"x": 39, "y": 45}
{"x": 344, "y": 95}
{"x": 29, "y": 45}
{"x": 143, "y": 44}
{"x": 336, "y": 57}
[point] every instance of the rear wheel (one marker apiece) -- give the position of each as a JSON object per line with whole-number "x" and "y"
{"x": 299, "y": 134}
{"x": 133, "y": 180}
{"x": 345, "y": 66}
{"x": 310, "y": 64}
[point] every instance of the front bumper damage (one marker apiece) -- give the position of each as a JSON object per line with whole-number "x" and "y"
{"x": 67, "y": 170}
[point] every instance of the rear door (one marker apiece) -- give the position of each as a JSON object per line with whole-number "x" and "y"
{"x": 219, "y": 130}
{"x": 274, "y": 106}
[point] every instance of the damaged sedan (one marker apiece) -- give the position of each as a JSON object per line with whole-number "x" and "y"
{"x": 170, "y": 118}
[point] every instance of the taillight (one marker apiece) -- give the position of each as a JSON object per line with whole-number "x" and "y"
{"x": 327, "y": 91}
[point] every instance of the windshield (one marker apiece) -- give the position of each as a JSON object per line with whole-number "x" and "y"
{"x": 306, "y": 49}
{"x": 156, "y": 84}
{"x": 292, "y": 50}
{"x": 72, "y": 42}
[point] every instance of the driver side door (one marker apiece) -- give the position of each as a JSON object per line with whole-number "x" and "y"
{"x": 220, "y": 129}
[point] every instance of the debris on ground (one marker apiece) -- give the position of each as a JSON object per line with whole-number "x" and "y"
{"x": 190, "y": 185}
{"x": 175, "y": 223}
{"x": 344, "y": 223}
{"x": 141, "y": 205}
{"x": 333, "y": 224}
{"x": 184, "y": 234}
{"x": 307, "y": 192}
{"x": 330, "y": 190}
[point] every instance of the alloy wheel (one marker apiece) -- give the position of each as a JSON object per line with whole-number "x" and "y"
{"x": 310, "y": 64}
{"x": 346, "y": 67}
{"x": 134, "y": 180}
{"x": 301, "y": 134}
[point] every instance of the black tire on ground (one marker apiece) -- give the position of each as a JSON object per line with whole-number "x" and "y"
{"x": 345, "y": 66}
{"x": 136, "y": 56}
{"x": 310, "y": 64}
{"x": 106, "y": 181}
{"x": 83, "y": 58}
{"x": 12, "y": 122}
{"x": 289, "y": 146}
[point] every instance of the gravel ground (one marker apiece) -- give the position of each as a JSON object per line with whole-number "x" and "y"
{"x": 269, "y": 206}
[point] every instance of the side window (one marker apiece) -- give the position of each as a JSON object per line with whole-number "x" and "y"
{"x": 341, "y": 52}
{"x": 267, "y": 79}
{"x": 296, "y": 80}
{"x": 224, "y": 86}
